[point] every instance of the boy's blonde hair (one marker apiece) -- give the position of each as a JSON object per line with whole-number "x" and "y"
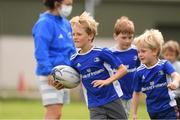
{"x": 152, "y": 39}
{"x": 172, "y": 46}
{"x": 87, "y": 21}
{"x": 124, "y": 25}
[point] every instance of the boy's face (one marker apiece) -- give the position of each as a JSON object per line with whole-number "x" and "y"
{"x": 123, "y": 40}
{"x": 171, "y": 56}
{"x": 80, "y": 36}
{"x": 147, "y": 56}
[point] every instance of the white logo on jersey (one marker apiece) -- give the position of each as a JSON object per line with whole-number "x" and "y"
{"x": 127, "y": 66}
{"x": 96, "y": 59}
{"x": 130, "y": 70}
{"x": 78, "y": 65}
{"x": 90, "y": 74}
{"x": 60, "y": 36}
{"x": 153, "y": 86}
{"x": 143, "y": 77}
{"x": 161, "y": 73}
{"x": 135, "y": 58}
{"x": 88, "y": 70}
{"x": 69, "y": 35}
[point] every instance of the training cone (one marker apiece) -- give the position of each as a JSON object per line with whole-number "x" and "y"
{"x": 21, "y": 87}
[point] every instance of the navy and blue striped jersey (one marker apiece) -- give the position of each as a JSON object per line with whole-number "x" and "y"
{"x": 130, "y": 59}
{"x": 153, "y": 82}
{"x": 98, "y": 64}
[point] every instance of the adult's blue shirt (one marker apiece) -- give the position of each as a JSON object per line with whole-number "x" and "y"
{"x": 53, "y": 42}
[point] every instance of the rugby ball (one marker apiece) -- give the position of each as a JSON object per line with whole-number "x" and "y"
{"x": 66, "y": 75}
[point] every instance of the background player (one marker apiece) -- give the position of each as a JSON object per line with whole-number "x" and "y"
{"x": 126, "y": 51}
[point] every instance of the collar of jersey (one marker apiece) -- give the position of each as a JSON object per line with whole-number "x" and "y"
{"x": 115, "y": 48}
{"x": 86, "y": 52}
{"x": 153, "y": 65}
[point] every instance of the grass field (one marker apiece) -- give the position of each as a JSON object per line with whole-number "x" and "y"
{"x": 32, "y": 109}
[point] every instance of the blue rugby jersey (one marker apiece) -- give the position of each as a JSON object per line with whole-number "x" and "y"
{"x": 53, "y": 42}
{"x": 130, "y": 59}
{"x": 153, "y": 82}
{"x": 97, "y": 64}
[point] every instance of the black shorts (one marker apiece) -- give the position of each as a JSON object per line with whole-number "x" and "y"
{"x": 112, "y": 110}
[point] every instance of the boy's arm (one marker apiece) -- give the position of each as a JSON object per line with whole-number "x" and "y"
{"x": 135, "y": 101}
{"x": 121, "y": 71}
{"x": 176, "y": 81}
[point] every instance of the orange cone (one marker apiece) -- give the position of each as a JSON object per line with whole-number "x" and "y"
{"x": 21, "y": 87}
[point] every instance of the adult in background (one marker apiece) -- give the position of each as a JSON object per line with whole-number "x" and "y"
{"x": 52, "y": 35}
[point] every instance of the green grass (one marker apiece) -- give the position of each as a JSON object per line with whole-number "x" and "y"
{"x": 20, "y": 109}
{"x": 142, "y": 113}
{"x": 75, "y": 111}
{"x": 32, "y": 109}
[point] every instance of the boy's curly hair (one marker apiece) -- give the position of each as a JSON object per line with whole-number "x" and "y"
{"x": 152, "y": 39}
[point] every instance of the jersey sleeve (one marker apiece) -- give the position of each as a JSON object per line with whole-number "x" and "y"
{"x": 169, "y": 69}
{"x": 108, "y": 56}
{"x": 137, "y": 82}
{"x": 43, "y": 34}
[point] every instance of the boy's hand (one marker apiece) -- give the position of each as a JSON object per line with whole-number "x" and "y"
{"x": 58, "y": 85}
{"x": 100, "y": 83}
{"x": 50, "y": 79}
{"x": 54, "y": 83}
{"x": 173, "y": 85}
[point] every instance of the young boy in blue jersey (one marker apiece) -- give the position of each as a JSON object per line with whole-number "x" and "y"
{"x": 99, "y": 70}
{"x": 154, "y": 77}
{"x": 123, "y": 34}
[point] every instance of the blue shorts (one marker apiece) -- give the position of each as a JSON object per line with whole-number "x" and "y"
{"x": 171, "y": 113}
